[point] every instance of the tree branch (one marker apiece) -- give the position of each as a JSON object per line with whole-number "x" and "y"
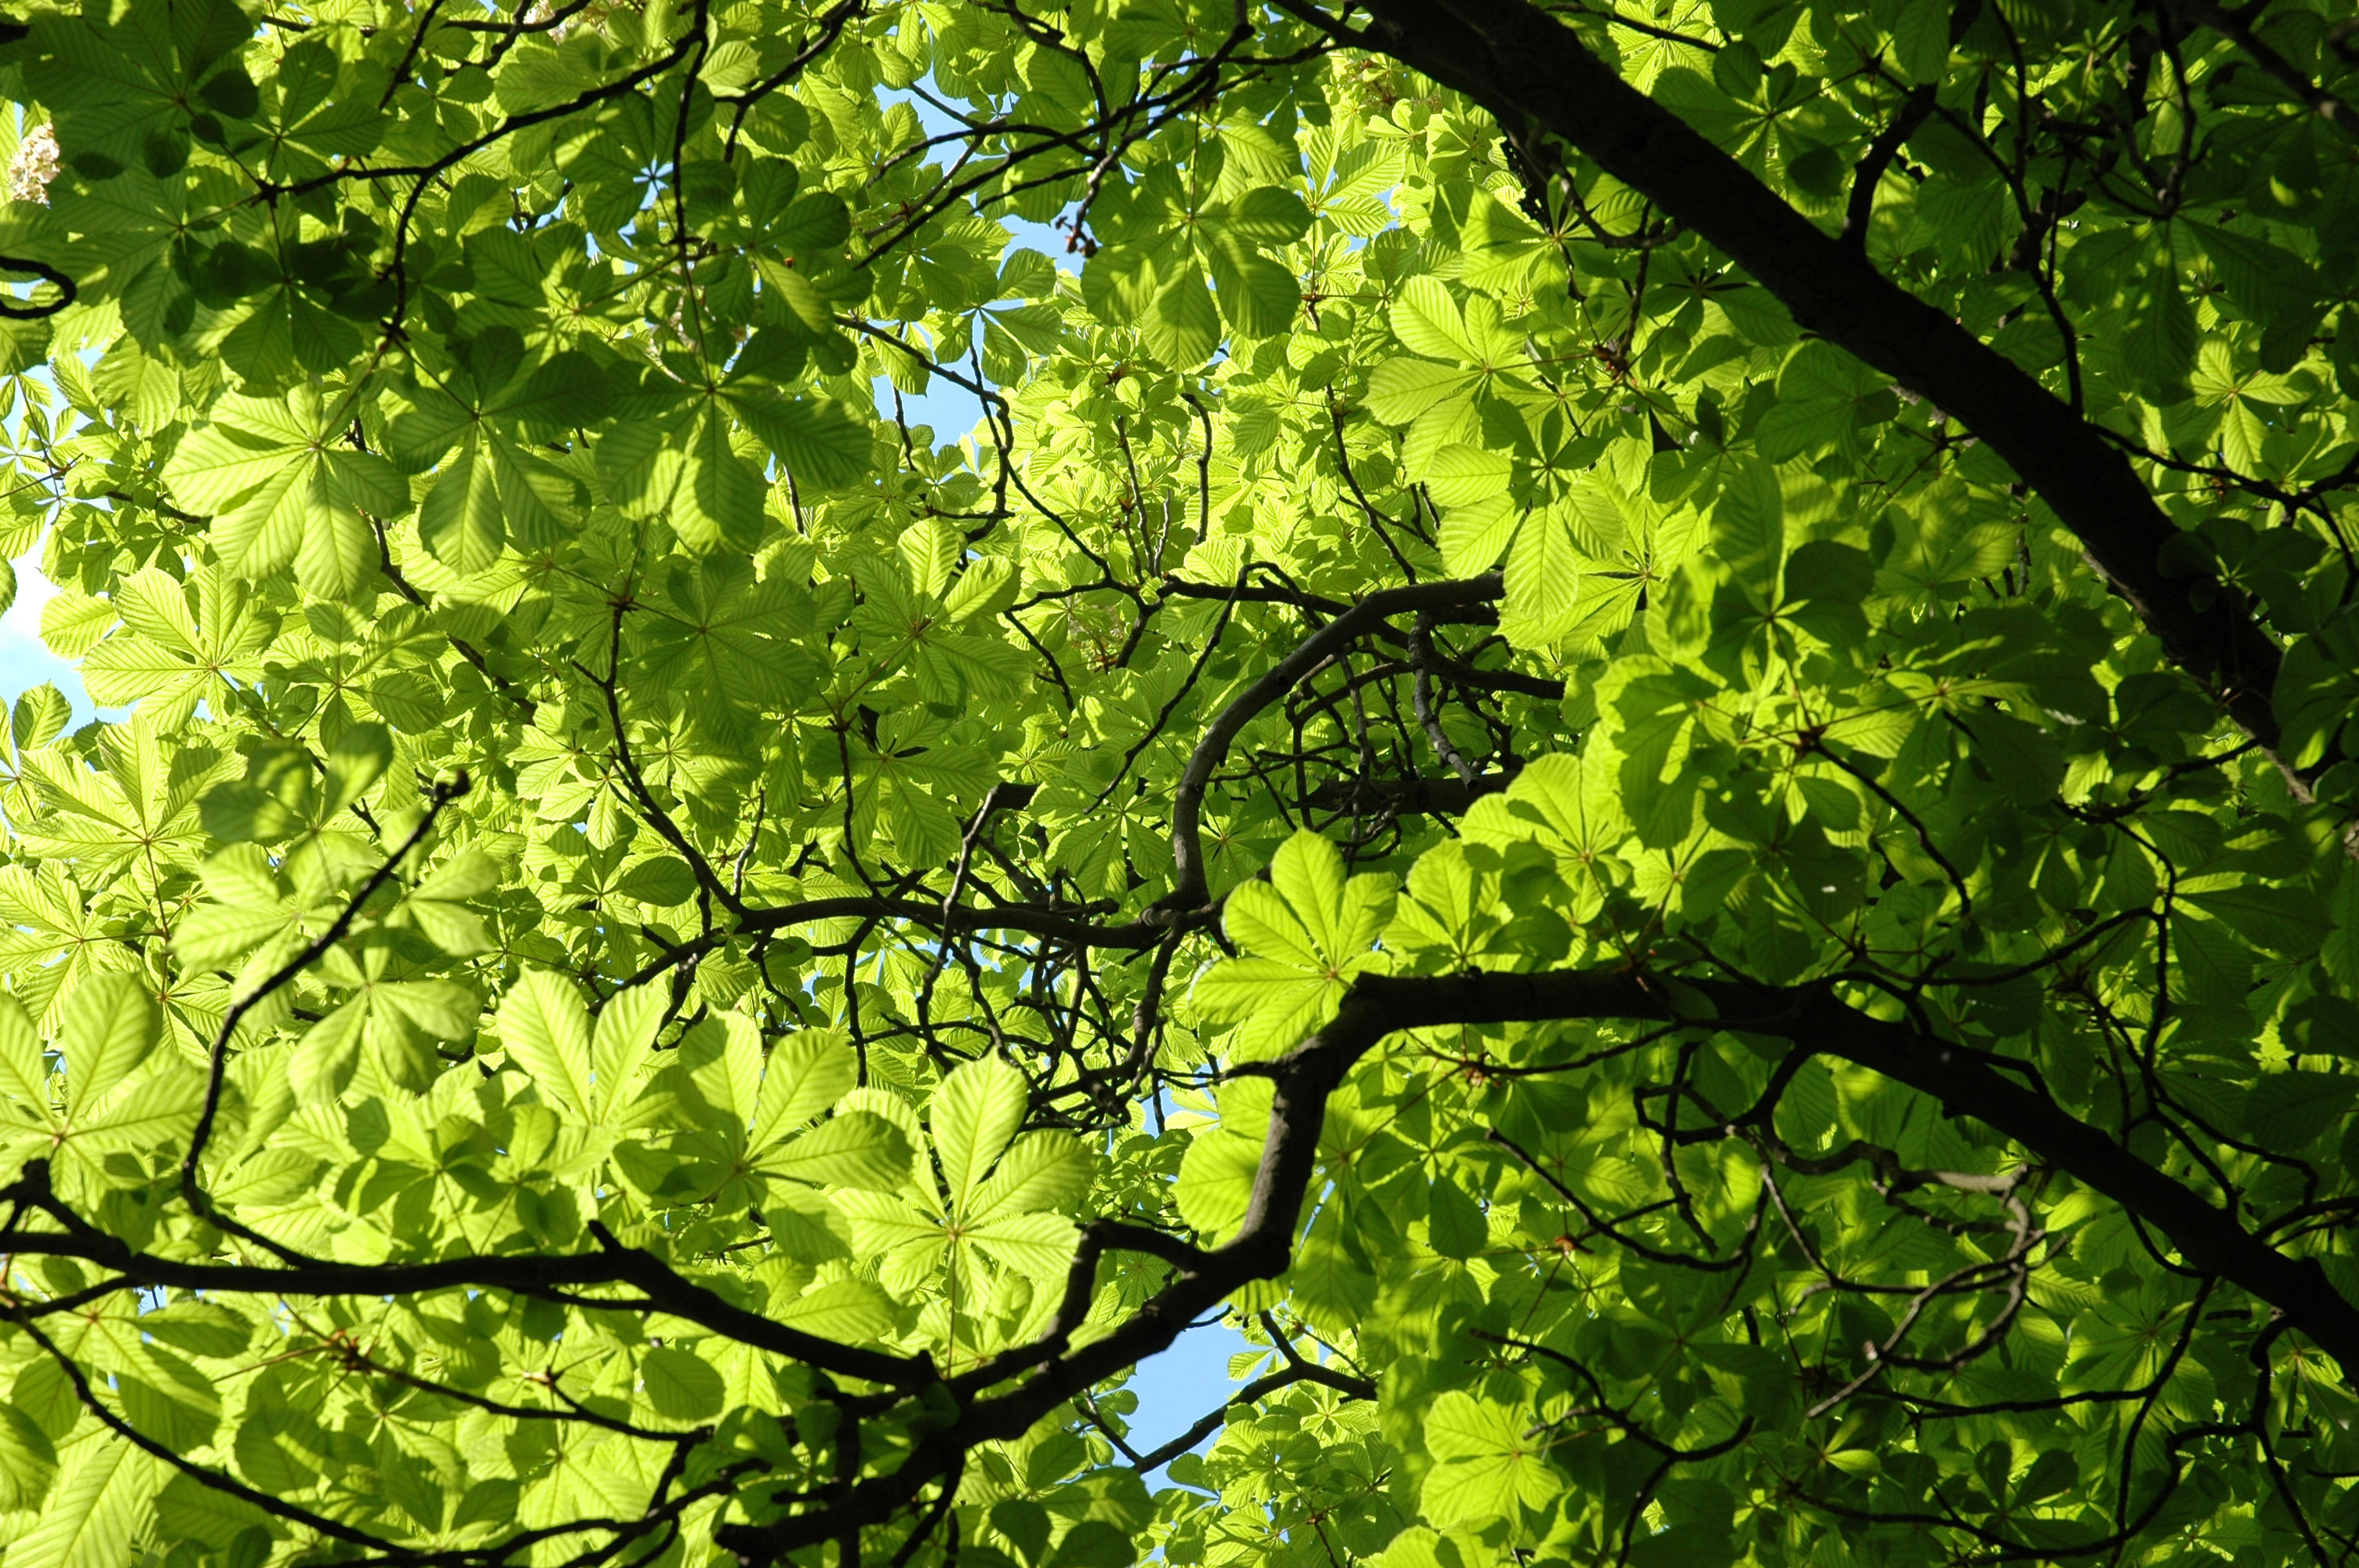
{"x": 1915, "y": 110}
{"x": 1811, "y": 1017}
{"x": 1252, "y": 1394}
{"x": 1189, "y": 890}
{"x": 1528, "y": 68}
{"x": 552, "y": 1277}
{"x": 2328, "y": 107}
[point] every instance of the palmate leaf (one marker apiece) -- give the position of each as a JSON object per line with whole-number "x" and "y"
{"x": 284, "y": 492}
{"x": 725, "y": 630}
{"x": 1446, "y": 908}
{"x": 1005, "y": 1193}
{"x": 1309, "y": 931}
{"x": 398, "y": 1024}
{"x": 126, "y": 80}
{"x": 1484, "y": 1462}
{"x": 1181, "y": 323}
{"x": 48, "y": 916}
{"x": 138, "y": 804}
{"x": 850, "y": 873}
{"x": 765, "y": 1111}
{"x": 890, "y": 1229}
{"x": 1573, "y": 807}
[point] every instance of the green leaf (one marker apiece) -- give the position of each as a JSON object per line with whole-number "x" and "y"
{"x": 681, "y": 1384}
{"x": 817, "y": 441}
{"x": 620, "y": 1049}
{"x": 1039, "y": 1171}
{"x": 24, "y": 1068}
{"x": 1477, "y": 532}
{"x": 1258, "y": 298}
{"x": 46, "y": 1396}
{"x": 1428, "y": 322}
{"x": 169, "y": 1400}
{"x": 1311, "y": 932}
{"x": 1402, "y": 389}
{"x": 280, "y": 495}
{"x": 1180, "y": 322}
{"x": 854, "y": 1150}
{"x": 461, "y": 520}
{"x": 806, "y": 948}
{"x": 843, "y": 1310}
{"x": 358, "y": 759}
{"x": 1484, "y": 1464}
{"x": 28, "y": 1461}
{"x": 200, "y": 1327}
{"x": 546, "y": 1031}
{"x": 985, "y": 589}
{"x": 2318, "y": 688}
{"x": 2339, "y": 950}
{"x": 1460, "y": 475}
{"x": 973, "y": 1115}
{"x": 1267, "y": 215}
{"x": 1543, "y": 580}
{"x": 807, "y": 1073}
{"x": 39, "y": 717}
{"x": 324, "y": 1061}
{"x": 104, "y": 1495}
{"x": 111, "y": 1021}
{"x": 1038, "y": 1246}
{"x": 1748, "y": 526}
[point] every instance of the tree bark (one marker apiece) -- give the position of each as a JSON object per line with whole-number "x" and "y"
{"x": 1530, "y": 69}
{"x": 1810, "y": 1018}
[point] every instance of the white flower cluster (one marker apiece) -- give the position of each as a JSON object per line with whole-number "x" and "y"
{"x": 34, "y": 165}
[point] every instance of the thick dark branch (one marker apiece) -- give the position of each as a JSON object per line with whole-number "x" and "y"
{"x": 1531, "y": 70}
{"x": 1516, "y": 681}
{"x": 11, "y": 309}
{"x": 2236, "y": 24}
{"x": 1811, "y": 1017}
{"x": 552, "y": 1277}
{"x": 1409, "y": 795}
{"x": 1057, "y": 926}
{"x": 1915, "y": 110}
{"x": 1189, "y": 890}
{"x": 1814, "y": 1019}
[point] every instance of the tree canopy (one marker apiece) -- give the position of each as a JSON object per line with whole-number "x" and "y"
{"x": 1633, "y": 721}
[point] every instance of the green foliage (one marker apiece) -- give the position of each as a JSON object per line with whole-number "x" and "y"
{"x": 651, "y": 966}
